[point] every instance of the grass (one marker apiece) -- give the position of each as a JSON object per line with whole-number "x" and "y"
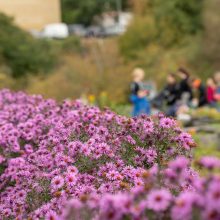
{"x": 205, "y": 148}
{"x": 202, "y": 150}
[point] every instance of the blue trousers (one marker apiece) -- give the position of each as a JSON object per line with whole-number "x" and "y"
{"x": 140, "y": 106}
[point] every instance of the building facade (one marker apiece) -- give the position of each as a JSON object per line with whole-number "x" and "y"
{"x": 32, "y": 14}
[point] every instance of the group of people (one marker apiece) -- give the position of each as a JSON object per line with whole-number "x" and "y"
{"x": 181, "y": 92}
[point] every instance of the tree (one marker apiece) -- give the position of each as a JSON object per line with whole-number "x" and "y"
{"x": 83, "y": 11}
{"x": 21, "y": 52}
{"x": 163, "y": 35}
{"x": 177, "y": 19}
{"x": 211, "y": 34}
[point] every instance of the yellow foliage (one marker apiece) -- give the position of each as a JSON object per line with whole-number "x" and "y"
{"x": 99, "y": 71}
{"x": 211, "y": 113}
{"x": 91, "y": 99}
{"x": 6, "y": 81}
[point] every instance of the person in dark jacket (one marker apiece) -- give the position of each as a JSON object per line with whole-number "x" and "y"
{"x": 184, "y": 84}
{"x": 170, "y": 90}
{"x": 169, "y": 95}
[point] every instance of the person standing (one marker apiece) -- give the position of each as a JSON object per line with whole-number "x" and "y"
{"x": 138, "y": 97}
{"x": 210, "y": 92}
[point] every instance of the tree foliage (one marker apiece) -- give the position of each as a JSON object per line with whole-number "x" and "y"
{"x": 182, "y": 17}
{"x": 21, "y": 52}
{"x": 75, "y": 11}
{"x": 166, "y": 24}
{"x": 211, "y": 35}
{"x": 165, "y": 35}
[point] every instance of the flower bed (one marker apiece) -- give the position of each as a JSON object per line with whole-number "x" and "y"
{"x": 70, "y": 161}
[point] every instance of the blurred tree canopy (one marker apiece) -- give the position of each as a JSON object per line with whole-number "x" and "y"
{"x": 165, "y": 24}
{"x": 166, "y": 35}
{"x": 210, "y": 43}
{"x": 163, "y": 36}
{"x": 83, "y": 11}
{"x": 20, "y": 52}
{"x": 180, "y": 18}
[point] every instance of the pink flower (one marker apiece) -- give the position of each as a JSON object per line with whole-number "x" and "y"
{"x": 113, "y": 175}
{"x": 213, "y": 194}
{"x": 159, "y": 200}
{"x": 151, "y": 155}
{"x": 6, "y": 212}
{"x": 28, "y": 148}
{"x": 183, "y": 206}
{"x": 167, "y": 122}
{"x": 85, "y": 150}
{"x": 72, "y": 169}
{"x": 21, "y": 196}
{"x": 57, "y": 182}
{"x": 209, "y": 162}
{"x": 179, "y": 164}
{"x": 51, "y": 215}
{"x": 211, "y": 213}
{"x": 2, "y": 159}
{"x": 70, "y": 179}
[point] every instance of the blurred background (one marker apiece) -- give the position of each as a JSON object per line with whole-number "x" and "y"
{"x": 71, "y": 48}
{"x": 87, "y": 49}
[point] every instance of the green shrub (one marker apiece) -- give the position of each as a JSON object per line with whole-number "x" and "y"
{"x": 72, "y": 44}
{"x": 163, "y": 37}
{"x": 84, "y": 11}
{"x": 21, "y": 52}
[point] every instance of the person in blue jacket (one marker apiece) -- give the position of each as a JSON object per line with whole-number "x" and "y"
{"x": 138, "y": 97}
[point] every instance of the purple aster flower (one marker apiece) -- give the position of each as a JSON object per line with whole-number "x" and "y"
{"x": 167, "y": 122}
{"x": 71, "y": 179}
{"x": 72, "y": 169}
{"x": 209, "y": 162}
{"x": 21, "y": 196}
{"x": 151, "y": 155}
{"x": 183, "y": 206}
{"x": 2, "y": 159}
{"x": 51, "y": 215}
{"x": 159, "y": 200}
{"x": 57, "y": 182}
{"x": 6, "y": 212}
{"x": 179, "y": 164}
{"x": 213, "y": 194}
{"x": 211, "y": 213}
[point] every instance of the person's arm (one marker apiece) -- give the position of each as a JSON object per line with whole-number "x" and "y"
{"x": 134, "y": 92}
{"x": 134, "y": 88}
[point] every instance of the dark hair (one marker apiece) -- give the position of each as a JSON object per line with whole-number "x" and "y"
{"x": 184, "y": 71}
{"x": 173, "y": 75}
{"x": 213, "y": 79}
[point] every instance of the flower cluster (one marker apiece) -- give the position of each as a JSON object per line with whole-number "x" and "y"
{"x": 181, "y": 195}
{"x": 96, "y": 164}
